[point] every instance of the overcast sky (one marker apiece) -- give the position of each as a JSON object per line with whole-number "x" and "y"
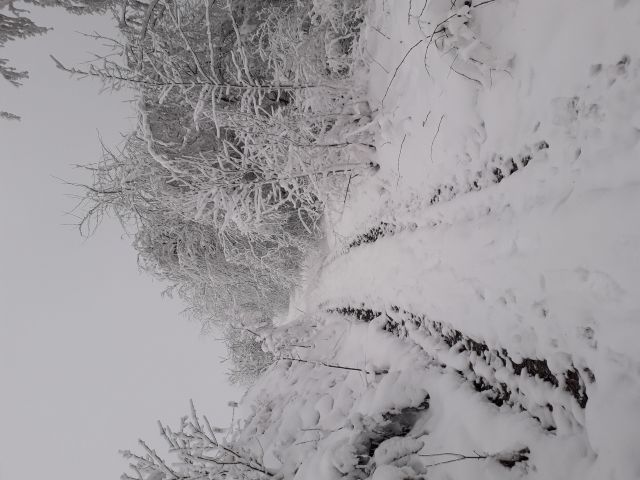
{"x": 90, "y": 354}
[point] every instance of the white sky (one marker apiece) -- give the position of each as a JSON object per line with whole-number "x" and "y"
{"x": 90, "y": 355}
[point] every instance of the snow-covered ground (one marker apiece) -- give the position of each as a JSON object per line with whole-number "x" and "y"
{"x": 487, "y": 278}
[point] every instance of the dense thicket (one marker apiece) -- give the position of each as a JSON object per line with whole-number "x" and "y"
{"x": 249, "y": 120}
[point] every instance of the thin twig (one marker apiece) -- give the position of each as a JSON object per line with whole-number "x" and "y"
{"x": 443, "y": 454}
{"x": 466, "y": 76}
{"x": 460, "y": 457}
{"x": 332, "y": 365}
{"x": 308, "y": 441}
{"x": 398, "y": 68}
{"x": 380, "y": 32}
{"x": 399, "y": 154}
{"x": 426, "y": 118}
{"x": 482, "y": 3}
{"x": 346, "y": 193}
{"x": 435, "y": 30}
{"x": 376, "y": 61}
{"x": 435, "y": 136}
{"x": 423, "y": 9}
{"x": 453, "y": 62}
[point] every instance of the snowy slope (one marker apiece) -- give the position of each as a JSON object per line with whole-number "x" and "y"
{"x": 489, "y": 271}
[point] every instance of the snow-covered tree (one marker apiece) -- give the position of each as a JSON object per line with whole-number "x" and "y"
{"x": 16, "y": 25}
{"x": 245, "y": 128}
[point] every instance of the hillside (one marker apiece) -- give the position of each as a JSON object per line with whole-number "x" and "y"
{"x": 491, "y": 264}
{"x": 473, "y": 310}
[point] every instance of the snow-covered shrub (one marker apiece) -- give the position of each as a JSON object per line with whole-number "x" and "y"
{"x": 198, "y": 454}
{"x": 247, "y": 355}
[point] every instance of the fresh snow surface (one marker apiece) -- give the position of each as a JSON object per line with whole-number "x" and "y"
{"x": 507, "y": 208}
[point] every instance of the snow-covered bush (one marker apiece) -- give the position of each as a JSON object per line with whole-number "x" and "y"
{"x": 247, "y": 355}
{"x": 199, "y": 454}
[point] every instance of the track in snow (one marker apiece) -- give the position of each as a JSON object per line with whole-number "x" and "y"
{"x": 492, "y": 372}
{"x": 494, "y": 171}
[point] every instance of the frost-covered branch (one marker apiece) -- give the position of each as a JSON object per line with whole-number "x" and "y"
{"x": 197, "y": 453}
